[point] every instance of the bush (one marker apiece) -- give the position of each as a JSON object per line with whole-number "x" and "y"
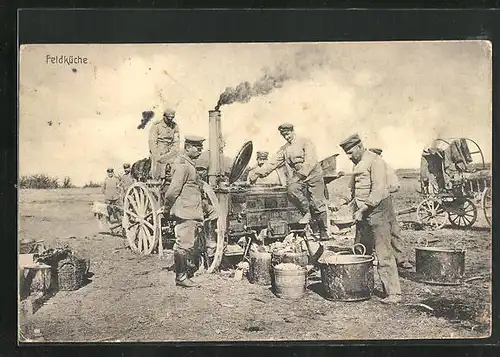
{"x": 38, "y": 181}
{"x": 67, "y": 183}
{"x": 91, "y": 184}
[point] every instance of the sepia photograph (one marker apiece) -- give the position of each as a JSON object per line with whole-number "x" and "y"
{"x": 233, "y": 192}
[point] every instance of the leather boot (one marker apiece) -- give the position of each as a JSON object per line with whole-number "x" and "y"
{"x": 323, "y": 226}
{"x": 181, "y": 271}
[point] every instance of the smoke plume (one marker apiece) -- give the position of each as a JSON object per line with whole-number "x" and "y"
{"x": 146, "y": 117}
{"x": 299, "y": 66}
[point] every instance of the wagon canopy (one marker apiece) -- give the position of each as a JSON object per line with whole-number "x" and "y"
{"x": 447, "y": 160}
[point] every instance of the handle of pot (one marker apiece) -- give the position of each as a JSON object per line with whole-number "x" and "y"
{"x": 457, "y": 243}
{"x": 419, "y": 241}
{"x": 358, "y": 245}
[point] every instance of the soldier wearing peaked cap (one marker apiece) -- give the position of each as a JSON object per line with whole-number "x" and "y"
{"x": 373, "y": 204}
{"x": 164, "y": 143}
{"x": 306, "y": 188}
{"x": 111, "y": 190}
{"x": 126, "y": 180}
{"x": 271, "y": 179}
{"x": 183, "y": 199}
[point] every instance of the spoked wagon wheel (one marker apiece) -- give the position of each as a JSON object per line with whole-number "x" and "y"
{"x": 140, "y": 219}
{"x": 431, "y": 213}
{"x": 220, "y": 230}
{"x": 486, "y": 204}
{"x": 463, "y": 213}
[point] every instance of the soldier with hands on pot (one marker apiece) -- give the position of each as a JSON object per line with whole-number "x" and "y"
{"x": 396, "y": 235}
{"x": 373, "y": 210}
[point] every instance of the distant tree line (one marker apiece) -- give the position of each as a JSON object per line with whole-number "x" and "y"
{"x": 43, "y": 181}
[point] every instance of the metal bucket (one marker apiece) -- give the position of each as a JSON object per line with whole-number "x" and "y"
{"x": 440, "y": 266}
{"x": 289, "y": 283}
{"x": 347, "y": 277}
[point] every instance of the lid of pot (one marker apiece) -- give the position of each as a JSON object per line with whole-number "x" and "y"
{"x": 241, "y": 161}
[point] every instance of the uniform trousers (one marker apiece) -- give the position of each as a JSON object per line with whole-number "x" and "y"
{"x": 186, "y": 232}
{"x": 374, "y": 232}
{"x": 396, "y": 236}
{"x": 307, "y": 195}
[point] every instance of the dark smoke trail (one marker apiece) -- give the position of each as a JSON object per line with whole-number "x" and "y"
{"x": 146, "y": 117}
{"x": 298, "y": 67}
{"x": 245, "y": 91}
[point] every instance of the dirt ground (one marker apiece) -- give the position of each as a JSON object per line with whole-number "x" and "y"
{"x": 133, "y": 298}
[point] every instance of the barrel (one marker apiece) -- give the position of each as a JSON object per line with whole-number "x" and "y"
{"x": 289, "y": 281}
{"x": 260, "y": 268}
{"x": 281, "y": 256}
{"x": 347, "y": 277}
{"x": 439, "y": 266}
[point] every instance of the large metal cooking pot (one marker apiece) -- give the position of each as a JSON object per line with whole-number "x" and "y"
{"x": 347, "y": 277}
{"x": 438, "y": 265}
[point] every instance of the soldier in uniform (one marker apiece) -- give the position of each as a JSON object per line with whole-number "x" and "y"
{"x": 126, "y": 180}
{"x": 111, "y": 190}
{"x": 373, "y": 210}
{"x": 163, "y": 144}
{"x": 272, "y": 178}
{"x": 396, "y": 234}
{"x": 306, "y": 188}
{"x": 183, "y": 199}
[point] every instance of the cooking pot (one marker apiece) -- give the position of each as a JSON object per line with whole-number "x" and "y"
{"x": 347, "y": 277}
{"x": 439, "y": 265}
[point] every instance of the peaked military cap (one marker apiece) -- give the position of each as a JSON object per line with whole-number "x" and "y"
{"x": 262, "y": 154}
{"x": 126, "y": 166}
{"x": 350, "y": 142}
{"x": 376, "y": 151}
{"x": 194, "y": 140}
{"x": 285, "y": 127}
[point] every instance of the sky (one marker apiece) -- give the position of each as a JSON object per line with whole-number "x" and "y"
{"x": 78, "y": 119}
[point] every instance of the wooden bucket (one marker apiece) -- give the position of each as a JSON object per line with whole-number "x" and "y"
{"x": 290, "y": 281}
{"x": 34, "y": 278}
{"x": 260, "y": 268}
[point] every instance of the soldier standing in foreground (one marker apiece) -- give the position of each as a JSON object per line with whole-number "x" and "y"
{"x": 396, "y": 236}
{"x": 111, "y": 190}
{"x": 306, "y": 188}
{"x": 183, "y": 199}
{"x": 163, "y": 143}
{"x": 373, "y": 210}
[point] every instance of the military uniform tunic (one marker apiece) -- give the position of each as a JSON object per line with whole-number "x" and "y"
{"x": 369, "y": 186}
{"x": 126, "y": 181}
{"x": 306, "y": 188}
{"x": 164, "y": 146}
{"x": 110, "y": 189}
{"x": 184, "y": 199}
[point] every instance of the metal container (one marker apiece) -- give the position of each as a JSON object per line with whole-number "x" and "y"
{"x": 289, "y": 283}
{"x": 347, "y": 277}
{"x": 441, "y": 266}
{"x": 260, "y": 268}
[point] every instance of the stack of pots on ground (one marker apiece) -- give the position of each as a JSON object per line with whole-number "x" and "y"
{"x": 289, "y": 280}
{"x": 260, "y": 268}
{"x": 440, "y": 266}
{"x": 347, "y": 277}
